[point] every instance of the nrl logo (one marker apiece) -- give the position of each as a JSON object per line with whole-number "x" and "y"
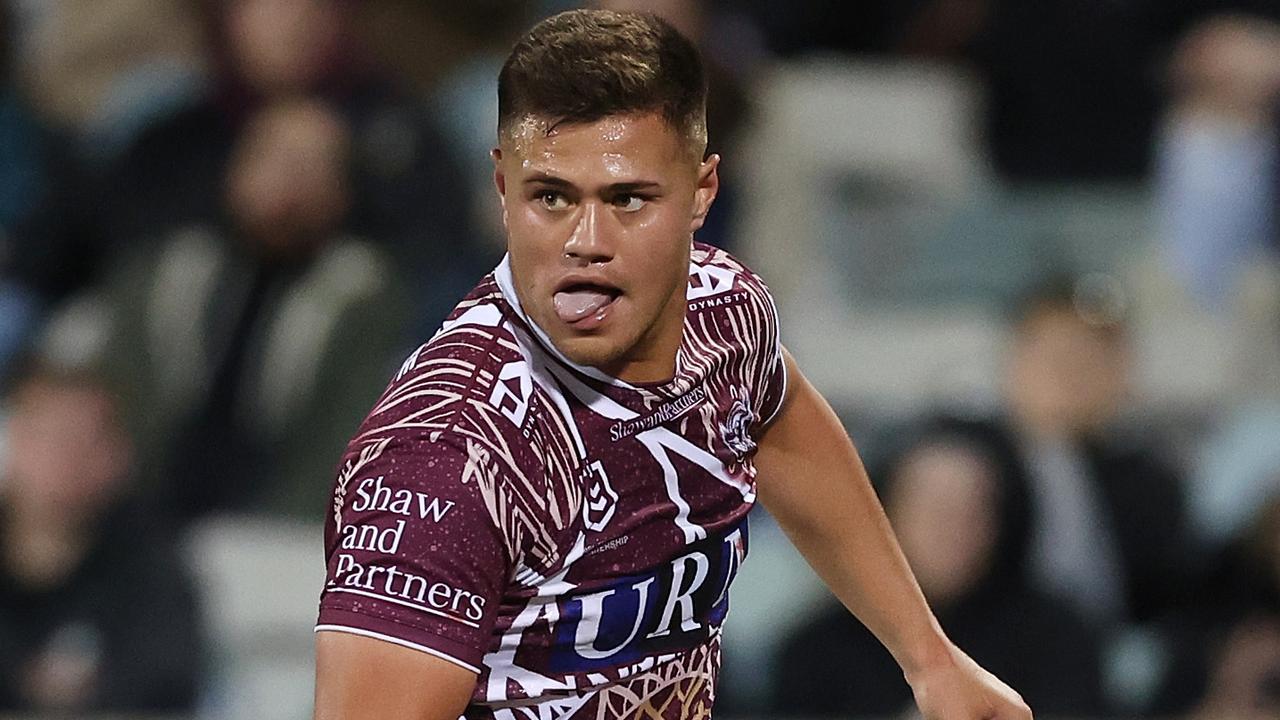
{"x": 602, "y": 499}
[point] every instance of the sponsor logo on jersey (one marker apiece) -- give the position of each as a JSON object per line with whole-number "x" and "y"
{"x": 512, "y": 391}
{"x": 708, "y": 280}
{"x": 389, "y": 582}
{"x": 664, "y": 413}
{"x": 673, "y": 607}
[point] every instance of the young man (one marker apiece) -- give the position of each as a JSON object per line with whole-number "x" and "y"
{"x": 541, "y": 516}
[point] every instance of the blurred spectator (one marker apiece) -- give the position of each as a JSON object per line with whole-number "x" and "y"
{"x": 1110, "y": 531}
{"x": 97, "y": 613}
{"x": 102, "y": 70}
{"x": 1219, "y": 173}
{"x": 166, "y": 172}
{"x": 22, "y": 185}
{"x": 462, "y": 46}
{"x": 962, "y": 515}
{"x": 1227, "y": 663}
{"x": 405, "y": 177}
{"x": 252, "y": 347}
{"x": 98, "y": 73}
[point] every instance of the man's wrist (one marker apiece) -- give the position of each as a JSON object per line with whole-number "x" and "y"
{"x": 931, "y": 651}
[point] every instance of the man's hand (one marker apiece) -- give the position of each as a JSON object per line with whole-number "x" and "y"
{"x": 956, "y": 688}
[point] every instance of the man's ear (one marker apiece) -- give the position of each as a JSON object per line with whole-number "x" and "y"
{"x": 705, "y": 192}
{"x": 500, "y": 181}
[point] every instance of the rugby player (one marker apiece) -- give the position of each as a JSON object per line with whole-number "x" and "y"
{"x": 542, "y": 514}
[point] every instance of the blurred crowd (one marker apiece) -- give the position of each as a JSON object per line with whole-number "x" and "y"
{"x": 223, "y": 223}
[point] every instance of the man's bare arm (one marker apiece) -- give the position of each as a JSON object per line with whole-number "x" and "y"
{"x": 812, "y": 481}
{"x": 359, "y": 677}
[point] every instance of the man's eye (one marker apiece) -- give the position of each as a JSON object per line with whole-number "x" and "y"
{"x": 629, "y": 203}
{"x": 552, "y": 200}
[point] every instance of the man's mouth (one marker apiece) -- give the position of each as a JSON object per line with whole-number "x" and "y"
{"x": 584, "y": 304}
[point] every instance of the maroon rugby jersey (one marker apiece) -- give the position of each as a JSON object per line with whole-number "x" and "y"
{"x": 568, "y": 536}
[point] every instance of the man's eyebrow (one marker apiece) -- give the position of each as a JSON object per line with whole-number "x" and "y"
{"x": 542, "y": 178}
{"x": 545, "y": 179}
{"x": 630, "y": 187}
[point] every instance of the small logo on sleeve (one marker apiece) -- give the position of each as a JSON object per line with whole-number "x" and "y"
{"x": 708, "y": 280}
{"x": 711, "y": 287}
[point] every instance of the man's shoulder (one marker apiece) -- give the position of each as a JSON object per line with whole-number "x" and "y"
{"x": 729, "y": 305}
{"x": 731, "y": 329}
{"x": 704, "y": 256}
{"x": 477, "y": 337}
{"x": 456, "y": 373}
{"x": 717, "y": 279}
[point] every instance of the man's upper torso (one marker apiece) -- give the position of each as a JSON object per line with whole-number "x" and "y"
{"x": 568, "y": 536}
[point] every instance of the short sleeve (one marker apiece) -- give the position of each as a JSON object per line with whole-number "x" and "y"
{"x": 414, "y": 555}
{"x": 771, "y": 368}
{"x": 775, "y": 384}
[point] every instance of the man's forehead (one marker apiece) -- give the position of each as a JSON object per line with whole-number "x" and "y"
{"x": 538, "y": 137}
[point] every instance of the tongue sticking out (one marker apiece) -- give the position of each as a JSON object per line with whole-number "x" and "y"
{"x": 573, "y": 305}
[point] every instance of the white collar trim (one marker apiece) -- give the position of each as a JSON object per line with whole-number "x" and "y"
{"x": 506, "y": 285}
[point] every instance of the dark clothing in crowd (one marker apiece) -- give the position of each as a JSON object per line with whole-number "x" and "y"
{"x": 1241, "y": 596}
{"x": 1147, "y": 506}
{"x": 1036, "y": 643}
{"x": 835, "y": 667}
{"x": 128, "y": 610}
{"x": 171, "y": 175}
{"x": 403, "y": 176}
{"x": 245, "y": 377}
{"x": 1143, "y": 508}
{"x": 1076, "y": 88}
{"x": 825, "y": 26}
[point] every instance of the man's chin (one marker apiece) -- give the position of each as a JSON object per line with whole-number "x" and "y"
{"x": 592, "y": 351}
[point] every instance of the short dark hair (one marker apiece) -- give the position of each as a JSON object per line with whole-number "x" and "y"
{"x": 583, "y": 65}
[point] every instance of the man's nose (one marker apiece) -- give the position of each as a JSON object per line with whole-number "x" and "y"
{"x": 591, "y": 240}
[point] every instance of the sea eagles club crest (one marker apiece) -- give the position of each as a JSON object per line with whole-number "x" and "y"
{"x": 735, "y": 429}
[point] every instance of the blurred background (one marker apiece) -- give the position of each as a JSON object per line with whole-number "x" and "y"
{"x": 1029, "y": 250}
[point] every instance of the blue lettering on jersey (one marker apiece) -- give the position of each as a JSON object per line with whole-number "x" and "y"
{"x": 671, "y": 608}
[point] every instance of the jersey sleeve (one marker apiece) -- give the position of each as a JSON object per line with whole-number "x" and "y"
{"x": 770, "y": 369}
{"x": 415, "y": 555}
